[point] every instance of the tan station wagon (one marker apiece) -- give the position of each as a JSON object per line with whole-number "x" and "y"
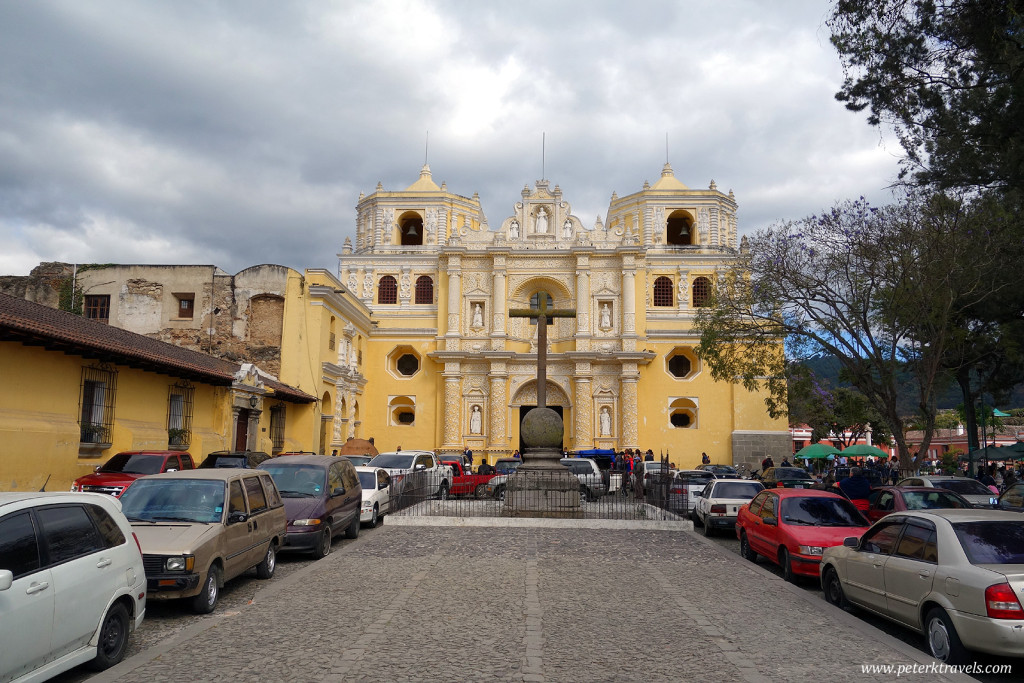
{"x": 200, "y": 528}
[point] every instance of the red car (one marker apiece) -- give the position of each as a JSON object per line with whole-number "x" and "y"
{"x": 792, "y": 527}
{"x": 888, "y": 499}
{"x": 124, "y": 468}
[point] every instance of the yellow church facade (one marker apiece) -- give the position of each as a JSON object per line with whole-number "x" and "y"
{"x": 446, "y": 368}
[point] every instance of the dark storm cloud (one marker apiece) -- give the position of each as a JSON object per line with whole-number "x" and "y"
{"x": 243, "y": 132}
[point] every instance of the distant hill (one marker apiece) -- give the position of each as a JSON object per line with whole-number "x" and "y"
{"x": 827, "y": 368}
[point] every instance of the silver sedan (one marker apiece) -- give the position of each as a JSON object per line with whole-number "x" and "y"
{"x": 957, "y": 576}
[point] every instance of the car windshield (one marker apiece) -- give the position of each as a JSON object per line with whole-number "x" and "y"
{"x": 506, "y": 466}
{"x": 174, "y": 500}
{"x": 358, "y": 460}
{"x": 368, "y": 480}
{"x": 297, "y": 481}
{"x": 721, "y": 469}
{"x": 965, "y": 487}
{"x": 820, "y": 511}
{"x": 999, "y": 542}
{"x": 791, "y": 473}
{"x": 134, "y": 463}
{"x": 736, "y": 489}
{"x": 394, "y": 461}
{"x": 930, "y": 500}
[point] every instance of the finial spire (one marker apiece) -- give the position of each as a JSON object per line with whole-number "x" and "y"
{"x": 426, "y": 150}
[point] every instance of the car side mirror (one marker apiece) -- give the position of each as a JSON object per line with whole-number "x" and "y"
{"x": 236, "y": 517}
{"x": 851, "y": 542}
{"x": 340, "y": 490}
{"x": 771, "y": 521}
{"x": 420, "y": 467}
{"x": 172, "y": 469}
{"x": 383, "y": 485}
{"x": 6, "y": 579}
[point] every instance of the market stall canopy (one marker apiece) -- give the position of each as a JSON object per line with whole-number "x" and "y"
{"x": 861, "y": 450}
{"x": 816, "y": 451}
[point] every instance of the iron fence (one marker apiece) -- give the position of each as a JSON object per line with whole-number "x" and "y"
{"x": 618, "y": 495}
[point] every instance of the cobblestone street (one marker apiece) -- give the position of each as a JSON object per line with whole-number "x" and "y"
{"x": 428, "y": 603}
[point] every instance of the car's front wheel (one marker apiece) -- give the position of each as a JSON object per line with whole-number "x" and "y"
{"x": 323, "y": 545}
{"x": 206, "y": 600}
{"x": 943, "y": 641}
{"x": 113, "y": 638}
{"x": 265, "y": 569}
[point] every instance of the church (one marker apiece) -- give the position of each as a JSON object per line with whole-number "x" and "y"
{"x": 448, "y": 368}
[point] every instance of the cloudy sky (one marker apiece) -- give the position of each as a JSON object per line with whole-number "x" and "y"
{"x": 242, "y": 132}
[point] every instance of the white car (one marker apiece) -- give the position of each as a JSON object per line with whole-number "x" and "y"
{"x": 717, "y": 505}
{"x": 973, "y": 490}
{"x": 376, "y": 483}
{"x": 72, "y": 583}
{"x": 683, "y": 489}
{"x": 416, "y": 474}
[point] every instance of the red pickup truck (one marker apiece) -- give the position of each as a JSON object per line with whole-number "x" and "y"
{"x": 464, "y": 482}
{"x": 124, "y": 468}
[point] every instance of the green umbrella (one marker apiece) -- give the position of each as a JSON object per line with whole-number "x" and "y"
{"x": 816, "y": 451}
{"x": 1014, "y": 451}
{"x": 989, "y": 452}
{"x": 861, "y": 450}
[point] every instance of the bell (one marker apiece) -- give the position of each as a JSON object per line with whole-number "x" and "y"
{"x": 412, "y": 230}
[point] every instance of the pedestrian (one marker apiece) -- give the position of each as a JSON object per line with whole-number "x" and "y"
{"x": 785, "y": 461}
{"x": 857, "y": 488}
{"x": 650, "y": 456}
{"x": 704, "y": 459}
{"x": 515, "y": 454}
{"x": 334, "y": 452}
{"x": 469, "y": 458}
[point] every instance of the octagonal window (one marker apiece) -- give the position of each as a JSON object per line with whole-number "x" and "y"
{"x": 404, "y": 362}
{"x": 681, "y": 363}
{"x": 407, "y": 364}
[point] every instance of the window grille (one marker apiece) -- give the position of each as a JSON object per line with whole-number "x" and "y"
{"x": 96, "y": 403}
{"x": 97, "y": 307}
{"x": 663, "y": 291}
{"x": 701, "y": 292}
{"x": 387, "y": 290}
{"x": 535, "y": 305}
{"x": 277, "y": 414}
{"x": 424, "y": 290}
{"x": 186, "y": 305}
{"x": 179, "y": 414}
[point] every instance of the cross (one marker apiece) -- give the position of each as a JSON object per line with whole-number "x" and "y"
{"x": 542, "y": 313}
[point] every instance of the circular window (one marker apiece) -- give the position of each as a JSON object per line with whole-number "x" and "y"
{"x": 679, "y": 366}
{"x": 408, "y": 364}
{"x": 680, "y": 420}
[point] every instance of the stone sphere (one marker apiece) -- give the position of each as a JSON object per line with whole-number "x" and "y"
{"x": 542, "y": 428}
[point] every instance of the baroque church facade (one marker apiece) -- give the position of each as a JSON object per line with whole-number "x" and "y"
{"x": 447, "y": 368}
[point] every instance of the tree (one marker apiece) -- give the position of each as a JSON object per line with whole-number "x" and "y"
{"x": 948, "y": 76}
{"x": 838, "y": 413}
{"x": 880, "y": 289}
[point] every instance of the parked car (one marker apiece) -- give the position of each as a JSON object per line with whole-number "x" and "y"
{"x": 971, "y": 489}
{"x": 495, "y": 487}
{"x": 592, "y": 483}
{"x": 72, "y": 583}
{"x": 415, "y": 473}
{"x": 889, "y": 499}
{"x": 721, "y": 471}
{"x": 792, "y": 527}
{"x": 118, "y": 473}
{"x": 953, "y": 575}
{"x": 376, "y": 483}
{"x": 244, "y": 459}
{"x": 717, "y": 505}
{"x": 786, "y": 477}
{"x": 507, "y": 465}
{"x": 836, "y": 474}
{"x": 465, "y": 483}
{"x": 200, "y": 528}
{"x": 322, "y": 497}
{"x": 1012, "y": 498}
{"x": 683, "y": 489}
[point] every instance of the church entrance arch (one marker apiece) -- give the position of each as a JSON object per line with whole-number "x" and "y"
{"x": 525, "y": 400}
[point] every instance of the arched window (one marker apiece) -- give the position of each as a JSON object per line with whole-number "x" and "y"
{"x": 535, "y": 305}
{"x": 663, "y": 291}
{"x": 387, "y": 290}
{"x": 424, "y": 290}
{"x": 679, "y": 228}
{"x": 411, "y": 226}
{"x": 701, "y": 292}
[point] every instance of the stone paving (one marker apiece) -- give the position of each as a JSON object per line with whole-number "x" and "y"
{"x": 540, "y": 603}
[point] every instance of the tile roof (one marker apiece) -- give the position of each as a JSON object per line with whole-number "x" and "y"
{"x": 37, "y": 325}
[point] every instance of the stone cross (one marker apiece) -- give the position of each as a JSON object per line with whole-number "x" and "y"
{"x": 542, "y": 313}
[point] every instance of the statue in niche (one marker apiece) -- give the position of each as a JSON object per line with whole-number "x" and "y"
{"x": 683, "y": 289}
{"x": 542, "y": 221}
{"x": 605, "y": 321}
{"x": 513, "y": 230}
{"x": 606, "y": 421}
{"x": 475, "y": 420}
{"x": 478, "y": 315}
{"x": 567, "y": 229}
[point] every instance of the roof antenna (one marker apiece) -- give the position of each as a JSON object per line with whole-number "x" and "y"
{"x": 542, "y": 146}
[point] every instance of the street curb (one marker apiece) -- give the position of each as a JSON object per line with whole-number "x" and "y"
{"x": 541, "y": 523}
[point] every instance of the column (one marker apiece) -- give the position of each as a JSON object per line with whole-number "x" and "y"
{"x": 629, "y": 407}
{"x": 583, "y": 306}
{"x": 629, "y": 301}
{"x": 454, "y": 331}
{"x": 499, "y": 308}
{"x": 583, "y": 404}
{"x": 499, "y": 407}
{"x": 452, "y": 406}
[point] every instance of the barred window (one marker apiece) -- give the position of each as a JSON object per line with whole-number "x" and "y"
{"x": 701, "y": 292}
{"x": 186, "y": 305}
{"x": 97, "y": 307}
{"x": 663, "y": 291}
{"x": 535, "y": 305}
{"x": 277, "y": 427}
{"x": 96, "y": 403}
{"x": 387, "y": 290}
{"x": 424, "y": 290}
{"x": 179, "y": 414}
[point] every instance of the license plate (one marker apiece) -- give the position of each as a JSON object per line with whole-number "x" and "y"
{"x": 798, "y": 486}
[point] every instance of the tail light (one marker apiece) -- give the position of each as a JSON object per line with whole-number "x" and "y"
{"x": 718, "y": 509}
{"x": 780, "y": 485}
{"x": 1002, "y": 603}
{"x": 676, "y": 490}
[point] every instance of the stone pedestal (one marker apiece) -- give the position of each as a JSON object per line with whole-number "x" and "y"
{"x": 542, "y": 487}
